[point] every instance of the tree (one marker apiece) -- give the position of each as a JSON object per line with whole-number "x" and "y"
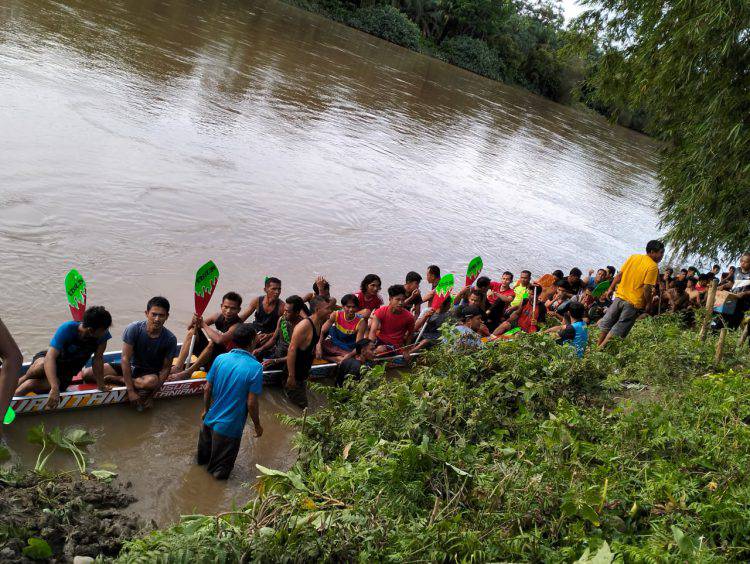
{"x": 687, "y": 64}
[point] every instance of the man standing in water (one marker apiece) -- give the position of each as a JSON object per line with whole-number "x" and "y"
{"x": 233, "y": 386}
{"x": 633, "y": 288}
{"x": 148, "y": 349}
{"x": 301, "y": 352}
{"x": 267, "y": 310}
{"x": 10, "y": 368}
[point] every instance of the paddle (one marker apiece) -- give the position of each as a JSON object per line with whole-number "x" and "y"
{"x": 442, "y": 291}
{"x": 473, "y": 270}
{"x": 75, "y": 288}
{"x": 600, "y": 288}
{"x": 205, "y": 283}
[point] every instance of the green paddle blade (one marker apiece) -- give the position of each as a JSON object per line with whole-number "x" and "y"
{"x": 205, "y": 283}
{"x": 75, "y": 288}
{"x": 10, "y": 416}
{"x": 442, "y": 291}
{"x": 600, "y": 288}
{"x": 472, "y": 272}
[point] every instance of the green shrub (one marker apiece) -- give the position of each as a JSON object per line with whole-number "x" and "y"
{"x": 472, "y": 54}
{"x": 516, "y": 452}
{"x": 387, "y": 23}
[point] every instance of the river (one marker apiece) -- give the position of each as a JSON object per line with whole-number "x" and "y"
{"x": 139, "y": 138}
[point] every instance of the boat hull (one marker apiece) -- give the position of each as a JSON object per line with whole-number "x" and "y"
{"x": 81, "y": 395}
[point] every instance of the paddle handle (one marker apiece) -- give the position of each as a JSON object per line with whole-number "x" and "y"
{"x": 421, "y": 331}
{"x": 190, "y": 351}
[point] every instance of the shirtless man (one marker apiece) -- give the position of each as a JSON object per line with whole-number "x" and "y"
{"x": 267, "y": 310}
{"x": 148, "y": 349}
{"x": 10, "y": 368}
{"x": 301, "y": 352}
{"x": 276, "y": 348}
{"x": 70, "y": 349}
{"x": 214, "y": 337}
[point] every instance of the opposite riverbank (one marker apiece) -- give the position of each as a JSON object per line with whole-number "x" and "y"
{"x": 522, "y": 43}
{"x": 519, "y": 451}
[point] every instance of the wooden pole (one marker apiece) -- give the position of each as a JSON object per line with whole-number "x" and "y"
{"x": 710, "y": 300}
{"x": 720, "y": 346}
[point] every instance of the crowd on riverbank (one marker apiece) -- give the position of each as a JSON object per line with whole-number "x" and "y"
{"x": 358, "y": 329}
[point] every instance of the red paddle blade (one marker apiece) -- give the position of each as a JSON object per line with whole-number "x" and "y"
{"x": 205, "y": 283}
{"x": 75, "y": 288}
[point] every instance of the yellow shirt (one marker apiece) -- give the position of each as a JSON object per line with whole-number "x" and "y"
{"x": 521, "y": 292}
{"x": 637, "y": 272}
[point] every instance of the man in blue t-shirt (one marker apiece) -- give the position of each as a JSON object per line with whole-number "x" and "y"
{"x": 233, "y": 385}
{"x": 147, "y": 352}
{"x": 69, "y": 350}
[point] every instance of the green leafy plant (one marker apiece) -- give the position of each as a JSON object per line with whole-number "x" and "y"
{"x": 37, "y": 549}
{"x": 516, "y": 452}
{"x": 72, "y": 440}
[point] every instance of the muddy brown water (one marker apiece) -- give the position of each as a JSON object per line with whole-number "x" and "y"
{"x": 139, "y": 138}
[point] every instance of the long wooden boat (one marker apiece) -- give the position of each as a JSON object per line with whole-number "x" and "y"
{"x": 80, "y": 394}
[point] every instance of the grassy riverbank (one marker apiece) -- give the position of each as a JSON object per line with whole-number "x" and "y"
{"x": 521, "y": 42}
{"x": 516, "y": 452}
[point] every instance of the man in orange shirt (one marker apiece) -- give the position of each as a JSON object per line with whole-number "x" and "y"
{"x": 633, "y": 288}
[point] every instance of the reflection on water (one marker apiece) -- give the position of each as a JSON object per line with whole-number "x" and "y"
{"x": 142, "y": 137}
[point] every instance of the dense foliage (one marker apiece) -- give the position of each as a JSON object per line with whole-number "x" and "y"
{"x": 517, "y": 41}
{"x": 687, "y": 64}
{"x": 518, "y": 452}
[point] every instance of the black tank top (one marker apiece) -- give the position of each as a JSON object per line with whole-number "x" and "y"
{"x": 305, "y": 356}
{"x": 265, "y": 322}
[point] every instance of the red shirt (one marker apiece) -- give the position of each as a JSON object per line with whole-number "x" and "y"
{"x": 367, "y": 301}
{"x": 496, "y": 289}
{"x": 393, "y": 326}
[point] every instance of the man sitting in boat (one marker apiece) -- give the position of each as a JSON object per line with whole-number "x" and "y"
{"x": 320, "y": 287}
{"x": 499, "y": 296}
{"x": 413, "y": 301}
{"x": 369, "y": 295}
{"x": 433, "y": 277}
{"x": 275, "y": 349}
{"x": 341, "y": 331}
{"x": 71, "y": 347}
{"x": 470, "y": 320}
{"x": 391, "y": 326}
{"x": 267, "y": 310}
{"x": 213, "y": 337}
{"x": 521, "y": 288}
{"x": 477, "y": 297}
{"x": 148, "y": 349}
{"x": 352, "y": 366}
{"x": 428, "y": 326}
{"x": 526, "y": 317}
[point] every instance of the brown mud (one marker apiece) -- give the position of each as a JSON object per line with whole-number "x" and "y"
{"x": 75, "y": 516}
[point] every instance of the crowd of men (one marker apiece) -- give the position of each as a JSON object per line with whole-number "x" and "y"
{"x": 286, "y": 336}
